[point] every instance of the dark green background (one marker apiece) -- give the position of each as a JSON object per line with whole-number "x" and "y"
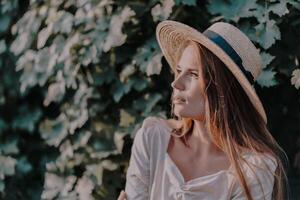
{"x": 79, "y": 77}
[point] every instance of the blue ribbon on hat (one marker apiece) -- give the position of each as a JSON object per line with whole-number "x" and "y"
{"x": 222, "y": 43}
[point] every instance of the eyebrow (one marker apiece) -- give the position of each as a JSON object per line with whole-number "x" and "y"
{"x": 196, "y": 70}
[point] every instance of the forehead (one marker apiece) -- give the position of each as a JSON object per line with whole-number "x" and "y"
{"x": 190, "y": 58}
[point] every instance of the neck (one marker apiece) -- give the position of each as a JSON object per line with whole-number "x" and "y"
{"x": 201, "y": 141}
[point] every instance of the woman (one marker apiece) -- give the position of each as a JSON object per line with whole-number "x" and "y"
{"x": 218, "y": 145}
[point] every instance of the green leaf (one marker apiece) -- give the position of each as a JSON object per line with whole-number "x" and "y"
{"x": 66, "y": 55}
{"x": 60, "y": 22}
{"x": 261, "y": 13}
{"x": 279, "y": 8}
{"x": 266, "y": 59}
{"x": 21, "y": 43}
{"x": 126, "y": 72}
{"x": 88, "y": 55}
{"x": 37, "y": 68}
{"x": 26, "y": 28}
{"x": 247, "y": 28}
{"x": 2, "y": 186}
{"x": 119, "y": 89}
{"x": 81, "y": 139}
{"x": 58, "y": 46}
{"x": 294, "y": 3}
{"x": 119, "y": 141}
{"x": 147, "y": 103}
{"x": 125, "y": 118}
{"x": 66, "y": 150}
{"x": 43, "y": 66}
{"x": 267, "y": 33}
{"x": 55, "y": 93}
{"x": 267, "y": 78}
{"x": 23, "y": 165}
{"x": 9, "y": 147}
{"x": 54, "y": 131}
{"x": 2, "y": 46}
{"x": 148, "y": 57}
{"x": 77, "y": 112}
{"x": 43, "y": 36}
{"x": 96, "y": 171}
{"x": 7, "y": 165}
{"x": 152, "y": 99}
{"x": 232, "y": 9}
{"x": 3, "y": 126}
{"x": 27, "y": 119}
{"x": 4, "y": 23}
{"x": 26, "y": 63}
{"x": 154, "y": 67}
{"x": 100, "y": 33}
{"x": 103, "y": 76}
{"x": 115, "y": 36}
{"x": 58, "y": 186}
{"x": 84, "y": 188}
{"x": 295, "y": 80}
{"x": 161, "y": 12}
{"x": 139, "y": 83}
{"x": 186, "y": 2}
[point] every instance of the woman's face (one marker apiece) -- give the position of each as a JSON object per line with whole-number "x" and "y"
{"x": 188, "y": 86}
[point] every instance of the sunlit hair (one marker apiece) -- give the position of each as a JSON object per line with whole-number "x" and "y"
{"x": 234, "y": 123}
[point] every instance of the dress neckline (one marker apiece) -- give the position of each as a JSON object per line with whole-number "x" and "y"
{"x": 172, "y": 163}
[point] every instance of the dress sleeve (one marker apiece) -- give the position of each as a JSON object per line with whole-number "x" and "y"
{"x": 138, "y": 172}
{"x": 260, "y": 165}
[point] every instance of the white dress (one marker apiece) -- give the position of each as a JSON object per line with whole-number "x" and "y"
{"x": 153, "y": 175}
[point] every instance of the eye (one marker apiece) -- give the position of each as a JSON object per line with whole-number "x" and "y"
{"x": 178, "y": 71}
{"x": 194, "y": 74}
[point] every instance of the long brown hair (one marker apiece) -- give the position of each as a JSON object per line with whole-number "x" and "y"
{"x": 233, "y": 121}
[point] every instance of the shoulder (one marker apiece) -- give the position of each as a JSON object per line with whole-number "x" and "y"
{"x": 259, "y": 172}
{"x": 154, "y": 129}
{"x": 148, "y": 128}
{"x": 154, "y": 122}
{"x": 258, "y": 167}
{"x": 261, "y": 162}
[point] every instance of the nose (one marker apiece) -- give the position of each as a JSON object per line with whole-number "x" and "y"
{"x": 177, "y": 83}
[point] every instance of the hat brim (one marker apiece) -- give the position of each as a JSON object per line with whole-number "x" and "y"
{"x": 169, "y": 33}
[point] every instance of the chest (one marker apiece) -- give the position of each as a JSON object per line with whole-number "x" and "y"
{"x": 192, "y": 167}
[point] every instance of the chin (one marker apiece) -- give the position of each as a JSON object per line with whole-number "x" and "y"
{"x": 184, "y": 114}
{"x": 181, "y": 113}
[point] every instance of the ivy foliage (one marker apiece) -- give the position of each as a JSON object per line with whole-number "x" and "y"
{"x": 79, "y": 76}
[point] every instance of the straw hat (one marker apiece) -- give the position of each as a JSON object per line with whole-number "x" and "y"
{"x": 226, "y": 41}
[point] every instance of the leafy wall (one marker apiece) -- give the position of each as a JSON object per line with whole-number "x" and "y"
{"x": 79, "y": 76}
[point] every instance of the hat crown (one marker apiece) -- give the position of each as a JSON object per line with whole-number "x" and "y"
{"x": 241, "y": 44}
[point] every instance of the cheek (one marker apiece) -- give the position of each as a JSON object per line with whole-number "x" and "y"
{"x": 196, "y": 92}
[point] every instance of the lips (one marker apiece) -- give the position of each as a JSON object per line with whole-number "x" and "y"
{"x": 179, "y": 100}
